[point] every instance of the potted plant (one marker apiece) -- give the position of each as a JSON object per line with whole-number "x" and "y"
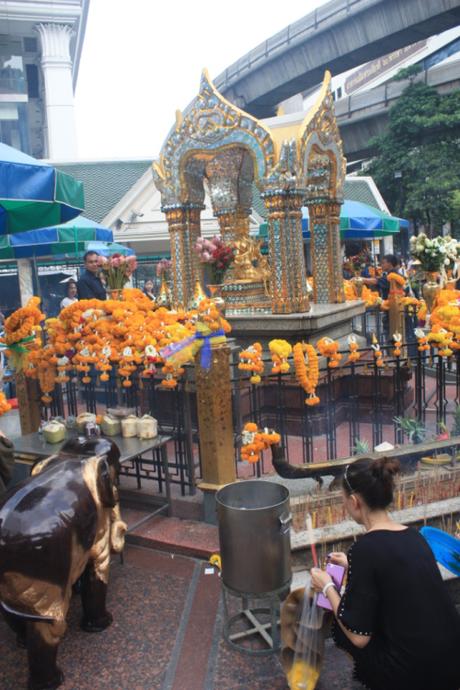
{"x": 412, "y": 428}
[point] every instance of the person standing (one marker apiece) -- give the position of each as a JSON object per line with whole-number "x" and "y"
{"x": 148, "y": 289}
{"x": 395, "y": 617}
{"x": 71, "y": 295}
{"x": 390, "y": 264}
{"x": 89, "y": 285}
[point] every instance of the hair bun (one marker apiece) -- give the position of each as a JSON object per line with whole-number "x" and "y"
{"x": 385, "y": 467}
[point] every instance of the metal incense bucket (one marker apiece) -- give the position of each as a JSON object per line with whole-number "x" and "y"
{"x": 254, "y": 520}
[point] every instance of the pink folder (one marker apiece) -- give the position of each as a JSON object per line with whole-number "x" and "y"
{"x": 337, "y": 572}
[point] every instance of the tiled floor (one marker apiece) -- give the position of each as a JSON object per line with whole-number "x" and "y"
{"x": 166, "y": 635}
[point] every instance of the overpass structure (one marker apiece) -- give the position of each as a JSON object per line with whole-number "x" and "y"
{"x": 338, "y": 36}
{"x": 363, "y": 115}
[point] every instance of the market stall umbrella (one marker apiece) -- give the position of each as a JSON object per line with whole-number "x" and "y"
{"x": 34, "y": 194}
{"x": 72, "y": 238}
{"x": 109, "y": 248}
{"x": 357, "y": 221}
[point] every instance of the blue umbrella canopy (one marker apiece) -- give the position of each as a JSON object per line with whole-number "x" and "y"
{"x": 69, "y": 238}
{"x": 34, "y": 194}
{"x": 109, "y": 248}
{"x": 445, "y": 547}
{"x": 357, "y": 221}
{"x": 361, "y": 221}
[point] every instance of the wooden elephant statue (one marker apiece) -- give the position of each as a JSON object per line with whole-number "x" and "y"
{"x": 58, "y": 526}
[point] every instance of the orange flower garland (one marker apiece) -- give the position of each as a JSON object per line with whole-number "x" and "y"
{"x": 353, "y": 344}
{"x": 255, "y": 441}
{"x": 422, "y": 340}
{"x": 330, "y": 349}
{"x": 128, "y": 334}
{"x": 397, "y": 339}
{"x": 4, "y": 404}
{"x": 378, "y": 354}
{"x": 251, "y": 360}
{"x": 306, "y": 366}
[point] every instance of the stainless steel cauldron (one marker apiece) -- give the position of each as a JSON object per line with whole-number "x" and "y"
{"x": 255, "y": 545}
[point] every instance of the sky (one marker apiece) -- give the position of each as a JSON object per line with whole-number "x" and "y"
{"x": 142, "y": 60}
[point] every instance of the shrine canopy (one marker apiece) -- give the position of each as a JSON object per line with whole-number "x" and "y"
{"x": 72, "y": 238}
{"x": 34, "y": 194}
{"x": 357, "y": 221}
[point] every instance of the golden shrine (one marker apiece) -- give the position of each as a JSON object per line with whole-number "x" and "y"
{"x": 216, "y": 144}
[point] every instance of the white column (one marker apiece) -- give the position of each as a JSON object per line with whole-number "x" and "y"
{"x": 26, "y": 285}
{"x": 59, "y": 98}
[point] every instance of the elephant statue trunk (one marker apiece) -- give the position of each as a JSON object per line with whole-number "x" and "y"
{"x": 56, "y": 527}
{"x": 314, "y": 471}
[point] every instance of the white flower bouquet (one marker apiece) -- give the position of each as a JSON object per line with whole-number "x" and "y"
{"x": 434, "y": 254}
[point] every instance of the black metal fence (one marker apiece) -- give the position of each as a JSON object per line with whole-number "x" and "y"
{"x": 359, "y": 404}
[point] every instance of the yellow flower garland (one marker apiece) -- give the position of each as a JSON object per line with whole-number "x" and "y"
{"x": 280, "y": 351}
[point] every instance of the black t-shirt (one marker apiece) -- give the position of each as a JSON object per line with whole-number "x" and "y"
{"x": 395, "y": 594}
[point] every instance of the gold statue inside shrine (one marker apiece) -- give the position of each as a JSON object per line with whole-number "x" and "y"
{"x": 249, "y": 265}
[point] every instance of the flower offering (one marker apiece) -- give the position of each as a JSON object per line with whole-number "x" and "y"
{"x": 117, "y": 269}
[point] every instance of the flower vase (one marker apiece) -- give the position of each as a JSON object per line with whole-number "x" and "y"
{"x": 164, "y": 296}
{"x": 115, "y": 293}
{"x": 430, "y": 290}
{"x": 358, "y": 284}
{"x": 215, "y": 291}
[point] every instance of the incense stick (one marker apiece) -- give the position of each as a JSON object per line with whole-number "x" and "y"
{"x": 312, "y": 540}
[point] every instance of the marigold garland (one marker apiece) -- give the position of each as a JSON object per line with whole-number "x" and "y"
{"x": 330, "y": 349}
{"x": 280, "y": 351}
{"x": 353, "y": 344}
{"x": 397, "y": 340}
{"x": 255, "y": 441}
{"x": 378, "y": 354}
{"x": 441, "y": 339}
{"x": 306, "y": 366}
{"x": 422, "y": 340}
{"x": 4, "y": 404}
{"x": 251, "y": 360}
{"x": 94, "y": 337}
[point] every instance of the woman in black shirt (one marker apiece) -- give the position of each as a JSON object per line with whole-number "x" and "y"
{"x": 395, "y": 617}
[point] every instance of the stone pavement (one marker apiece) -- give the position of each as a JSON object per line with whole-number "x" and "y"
{"x": 166, "y": 635}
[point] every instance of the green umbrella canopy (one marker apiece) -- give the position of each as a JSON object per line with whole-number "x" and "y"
{"x": 33, "y": 194}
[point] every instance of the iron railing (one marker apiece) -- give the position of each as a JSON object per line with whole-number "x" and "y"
{"x": 359, "y": 401}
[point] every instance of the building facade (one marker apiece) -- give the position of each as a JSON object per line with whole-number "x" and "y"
{"x": 40, "y": 48}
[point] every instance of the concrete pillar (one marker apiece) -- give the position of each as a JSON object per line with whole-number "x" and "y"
{"x": 59, "y": 98}
{"x": 184, "y": 230}
{"x": 25, "y": 278}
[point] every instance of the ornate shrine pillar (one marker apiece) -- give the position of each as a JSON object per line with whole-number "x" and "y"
{"x": 326, "y": 252}
{"x": 184, "y": 230}
{"x": 288, "y": 281}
